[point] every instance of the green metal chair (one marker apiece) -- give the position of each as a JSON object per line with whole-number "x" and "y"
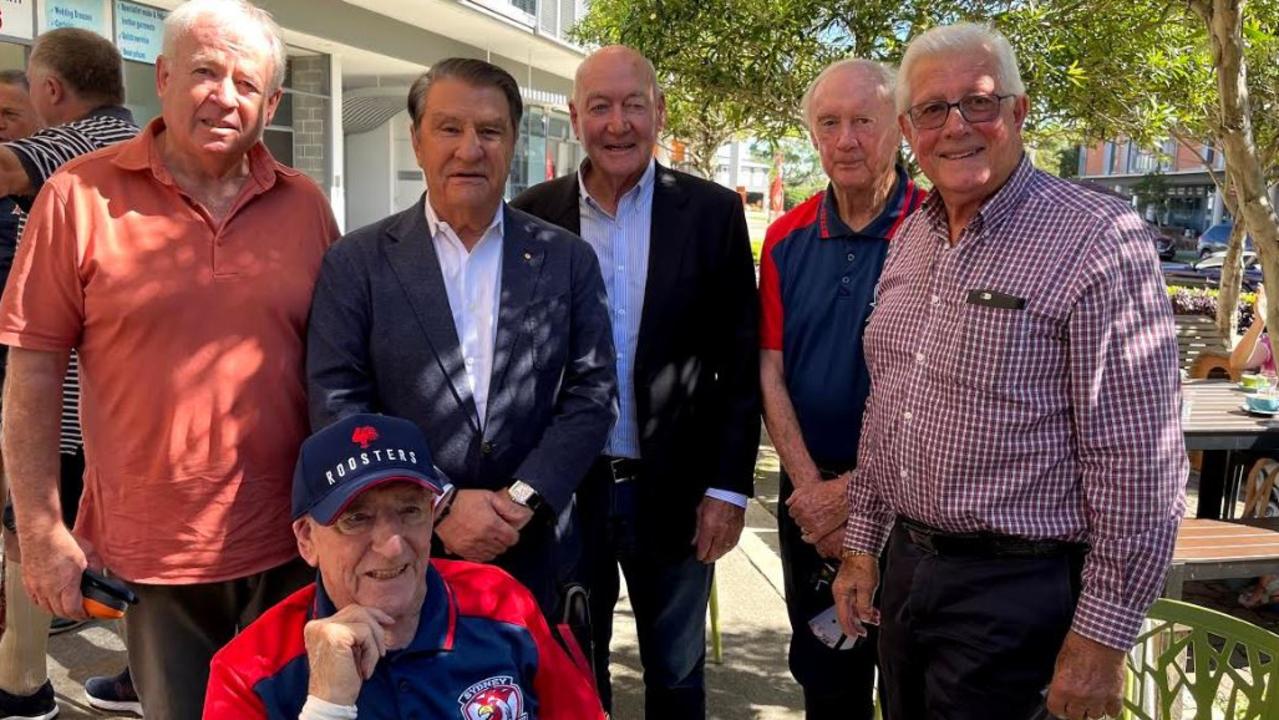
{"x": 1226, "y": 667}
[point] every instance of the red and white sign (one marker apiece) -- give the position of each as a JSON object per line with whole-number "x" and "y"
{"x": 18, "y": 18}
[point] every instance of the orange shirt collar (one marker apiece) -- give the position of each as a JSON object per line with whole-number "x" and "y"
{"x": 143, "y": 153}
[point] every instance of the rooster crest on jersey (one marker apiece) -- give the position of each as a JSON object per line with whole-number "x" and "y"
{"x": 364, "y": 435}
{"x": 497, "y": 698}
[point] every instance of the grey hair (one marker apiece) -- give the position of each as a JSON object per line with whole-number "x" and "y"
{"x": 16, "y": 78}
{"x": 961, "y": 38}
{"x": 884, "y": 74}
{"x": 228, "y": 14}
{"x": 473, "y": 72}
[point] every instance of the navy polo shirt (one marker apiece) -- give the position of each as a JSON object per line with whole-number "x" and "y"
{"x": 817, "y": 289}
{"x": 482, "y": 650}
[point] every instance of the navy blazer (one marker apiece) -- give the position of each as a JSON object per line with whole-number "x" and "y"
{"x": 697, "y": 358}
{"x": 382, "y": 339}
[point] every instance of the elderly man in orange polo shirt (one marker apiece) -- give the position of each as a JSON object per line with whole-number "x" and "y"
{"x": 179, "y": 266}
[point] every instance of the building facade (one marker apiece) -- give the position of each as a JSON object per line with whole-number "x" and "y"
{"x": 1170, "y": 187}
{"x": 343, "y": 119}
{"x": 736, "y": 169}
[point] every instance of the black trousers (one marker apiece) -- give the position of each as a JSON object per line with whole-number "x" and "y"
{"x": 836, "y": 683}
{"x": 971, "y": 637}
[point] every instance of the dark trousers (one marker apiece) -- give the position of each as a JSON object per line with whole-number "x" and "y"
{"x": 71, "y": 484}
{"x": 174, "y": 630}
{"x": 668, "y": 597}
{"x": 970, "y": 636}
{"x": 836, "y": 683}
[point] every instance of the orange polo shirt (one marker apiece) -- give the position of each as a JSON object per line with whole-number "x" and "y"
{"x": 191, "y": 335}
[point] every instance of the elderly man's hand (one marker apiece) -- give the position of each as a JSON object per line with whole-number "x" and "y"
{"x": 53, "y": 562}
{"x": 819, "y": 507}
{"x": 719, "y": 526}
{"x": 474, "y": 530}
{"x": 832, "y": 545}
{"x": 854, "y": 587}
{"x": 1088, "y": 681}
{"x": 515, "y": 514}
{"x": 342, "y": 651}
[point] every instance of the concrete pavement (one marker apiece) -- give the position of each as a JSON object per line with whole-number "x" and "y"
{"x": 753, "y": 682}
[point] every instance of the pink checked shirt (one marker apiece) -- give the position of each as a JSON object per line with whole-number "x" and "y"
{"x": 1059, "y": 420}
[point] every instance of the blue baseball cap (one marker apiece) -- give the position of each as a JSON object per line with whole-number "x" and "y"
{"x": 355, "y": 454}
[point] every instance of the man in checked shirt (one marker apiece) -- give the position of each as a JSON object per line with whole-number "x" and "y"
{"x": 1021, "y": 454}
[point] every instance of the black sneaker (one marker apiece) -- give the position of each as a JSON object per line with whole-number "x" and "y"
{"x": 39, "y": 705}
{"x": 114, "y": 693}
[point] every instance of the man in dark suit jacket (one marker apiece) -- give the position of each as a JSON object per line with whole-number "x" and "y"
{"x": 484, "y": 325}
{"x": 669, "y": 494}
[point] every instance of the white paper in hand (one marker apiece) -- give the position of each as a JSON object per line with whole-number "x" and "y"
{"x": 826, "y": 627}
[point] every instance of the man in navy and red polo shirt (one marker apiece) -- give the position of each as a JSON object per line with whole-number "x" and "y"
{"x": 818, "y": 272}
{"x": 385, "y": 632}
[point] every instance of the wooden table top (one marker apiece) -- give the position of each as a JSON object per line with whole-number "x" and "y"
{"x": 1201, "y": 541}
{"x": 1212, "y": 419}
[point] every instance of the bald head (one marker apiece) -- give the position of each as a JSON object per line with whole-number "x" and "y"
{"x": 611, "y": 58}
{"x": 617, "y": 112}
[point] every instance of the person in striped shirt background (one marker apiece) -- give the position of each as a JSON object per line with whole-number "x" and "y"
{"x": 76, "y": 90}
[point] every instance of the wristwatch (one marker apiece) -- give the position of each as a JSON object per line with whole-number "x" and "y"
{"x": 524, "y": 494}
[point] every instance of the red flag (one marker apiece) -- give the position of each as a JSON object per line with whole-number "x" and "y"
{"x": 776, "y": 193}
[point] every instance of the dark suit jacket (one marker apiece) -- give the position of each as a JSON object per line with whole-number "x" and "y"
{"x": 697, "y": 358}
{"x": 382, "y": 339}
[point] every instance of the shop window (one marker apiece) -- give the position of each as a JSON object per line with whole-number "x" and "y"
{"x": 139, "y": 91}
{"x": 13, "y": 56}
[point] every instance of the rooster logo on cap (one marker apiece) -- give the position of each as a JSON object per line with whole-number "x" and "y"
{"x": 364, "y": 435}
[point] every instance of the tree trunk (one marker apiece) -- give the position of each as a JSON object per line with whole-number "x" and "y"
{"x": 1224, "y": 19}
{"x": 1231, "y": 272}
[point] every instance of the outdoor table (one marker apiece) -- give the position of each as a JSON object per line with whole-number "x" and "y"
{"x": 1213, "y": 550}
{"x": 1212, "y": 421}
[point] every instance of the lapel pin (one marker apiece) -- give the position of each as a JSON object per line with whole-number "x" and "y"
{"x": 528, "y": 256}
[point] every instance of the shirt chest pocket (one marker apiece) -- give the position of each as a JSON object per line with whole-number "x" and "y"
{"x": 1006, "y": 349}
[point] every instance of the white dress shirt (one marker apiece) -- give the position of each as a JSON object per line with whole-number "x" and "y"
{"x": 621, "y": 242}
{"x": 473, "y": 281}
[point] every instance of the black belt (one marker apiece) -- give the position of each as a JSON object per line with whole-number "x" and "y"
{"x": 620, "y": 469}
{"x": 938, "y": 542}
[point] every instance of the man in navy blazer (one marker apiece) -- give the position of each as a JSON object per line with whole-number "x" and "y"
{"x": 667, "y": 498}
{"x": 485, "y": 326}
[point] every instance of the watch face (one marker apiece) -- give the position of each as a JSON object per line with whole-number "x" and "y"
{"x": 521, "y": 493}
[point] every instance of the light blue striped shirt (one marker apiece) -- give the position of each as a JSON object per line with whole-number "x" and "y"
{"x": 621, "y": 242}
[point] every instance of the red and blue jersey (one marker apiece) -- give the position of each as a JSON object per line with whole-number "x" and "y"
{"x": 482, "y": 652}
{"x": 817, "y": 281}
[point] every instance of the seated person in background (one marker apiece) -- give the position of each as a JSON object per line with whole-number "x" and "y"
{"x": 1252, "y": 353}
{"x": 384, "y": 632}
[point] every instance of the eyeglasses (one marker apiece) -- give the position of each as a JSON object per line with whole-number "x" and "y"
{"x": 976, "y": 108}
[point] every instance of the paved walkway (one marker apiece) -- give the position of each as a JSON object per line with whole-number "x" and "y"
{"x": 753, "y": 682}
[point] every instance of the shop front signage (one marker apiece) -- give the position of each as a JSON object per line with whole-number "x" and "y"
{"x": 139, "y": 31}
{"x": 84, "y": 14}
{"x": 17, "y": 18}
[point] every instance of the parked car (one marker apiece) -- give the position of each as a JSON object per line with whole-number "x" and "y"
{"x": 1164, "y": 245}
{"x": 1214, "y": 239}
{"x": 1207, "y": 272}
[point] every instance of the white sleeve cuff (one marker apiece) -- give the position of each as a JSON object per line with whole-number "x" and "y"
{"x": 317, "y": 709}
{"x": 728, "y": 496}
